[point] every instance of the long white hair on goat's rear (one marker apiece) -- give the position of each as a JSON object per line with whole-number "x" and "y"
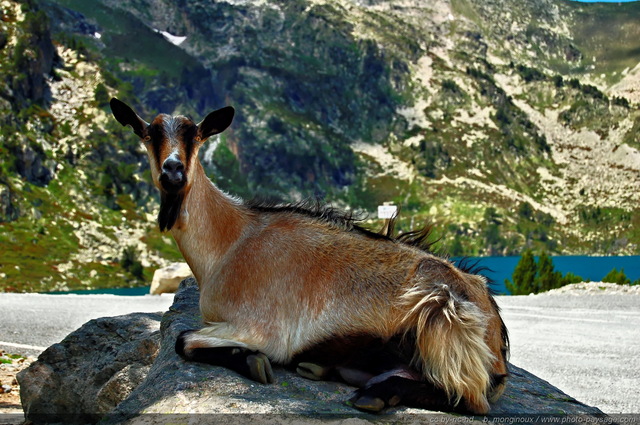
{"x": 450, "y": 348}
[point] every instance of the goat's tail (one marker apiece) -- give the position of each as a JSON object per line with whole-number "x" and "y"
{"x": 450, "y": 349}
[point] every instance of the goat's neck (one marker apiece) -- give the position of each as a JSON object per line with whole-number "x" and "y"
{"x": 210, "y": 223}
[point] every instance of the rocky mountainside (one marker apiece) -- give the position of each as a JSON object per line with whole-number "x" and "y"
{"x": 508, "y": 126}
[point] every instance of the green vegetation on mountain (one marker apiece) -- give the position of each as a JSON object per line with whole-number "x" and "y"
{"x": 70, "y": 185}
{"x": 511, "y": 128}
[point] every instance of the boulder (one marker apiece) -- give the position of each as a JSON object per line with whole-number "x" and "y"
{"x": 92, "y": 370}
{"x": 167, "y": 279}
{"x": 174, "y": 390}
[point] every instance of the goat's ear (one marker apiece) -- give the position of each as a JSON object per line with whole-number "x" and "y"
{"x": 125, "y": 116}
{"x": 216, "y": 122}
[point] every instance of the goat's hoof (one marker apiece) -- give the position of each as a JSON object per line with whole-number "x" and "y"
{"x": 355, "y": 377}
{"x": 367, "y": 403}
{"x": 260, "y": 368}
{"x": 312, "y": 371}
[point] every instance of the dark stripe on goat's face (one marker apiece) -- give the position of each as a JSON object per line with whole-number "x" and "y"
{"x": 156, "y": 133}
{"x": 188, "y": 134}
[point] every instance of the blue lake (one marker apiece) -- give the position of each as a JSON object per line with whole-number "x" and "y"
{"x": 141, "y": 290}
{"x": 589, "y": 268}
{"x": 500, "y": 268}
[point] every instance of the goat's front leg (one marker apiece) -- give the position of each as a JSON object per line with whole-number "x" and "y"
{"x": 205, "y": 346}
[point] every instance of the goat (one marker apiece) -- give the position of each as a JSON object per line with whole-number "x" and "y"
{"x": 286, "y": 283}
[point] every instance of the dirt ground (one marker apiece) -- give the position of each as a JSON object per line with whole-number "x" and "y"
{"x": 10, "y": 365}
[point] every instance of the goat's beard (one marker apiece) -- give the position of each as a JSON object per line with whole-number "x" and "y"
{"x": 170, "y": 206}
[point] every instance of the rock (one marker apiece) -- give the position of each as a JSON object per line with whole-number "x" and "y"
{"x": 92, "y": 370}
{"x": 34, "y": 63}
{"x": 595, "y": 288}
{"x": 8, "y": 206}
{"x": 32, "y": 164}
{"x": 167, "y": 279}
{"x": 173, "y": 387}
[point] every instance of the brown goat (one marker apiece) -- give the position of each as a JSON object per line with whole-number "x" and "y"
{"x": 286, "y": 283}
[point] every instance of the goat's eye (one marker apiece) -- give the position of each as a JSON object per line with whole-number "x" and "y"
{"x": 146, "y": 139}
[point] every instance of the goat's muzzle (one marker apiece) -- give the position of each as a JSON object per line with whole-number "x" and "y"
{"x": 173, "y": 177}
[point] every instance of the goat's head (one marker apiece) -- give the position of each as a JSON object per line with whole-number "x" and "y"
{"x": 172, "y": 143}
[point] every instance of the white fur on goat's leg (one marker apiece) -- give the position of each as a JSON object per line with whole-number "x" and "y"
{"x": 215, "y": 344}
{"x": 215, "y": 335}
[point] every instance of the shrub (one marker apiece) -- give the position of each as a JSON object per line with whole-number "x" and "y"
{"x": 129, "y": 261}
{"x": 525, "y": 210}
{"x": 530, "y": 74}
{"x": 620, "y": 101}
{"x": 102, "y": 96}
{"x": 558, "y": 81}
{"x": 615, "y": 276}
{"x": 571, "y": 278}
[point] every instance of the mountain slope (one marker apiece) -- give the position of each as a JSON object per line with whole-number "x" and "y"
{"x": 509, "y": 127}
{"x": 479, "y": 105}
{"x": 69, "y": 175}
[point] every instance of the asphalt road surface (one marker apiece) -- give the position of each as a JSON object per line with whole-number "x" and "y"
{"x": 587, "y": 345}
{"x": 32, "y": 322}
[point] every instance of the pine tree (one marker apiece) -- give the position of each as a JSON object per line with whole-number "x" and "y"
{"x": 523, "y": 276}
{"x": 456, "y": 249}
{"x": 547, "y": 278}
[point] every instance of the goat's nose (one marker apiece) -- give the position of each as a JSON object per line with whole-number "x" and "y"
{"x": 172, "y": 166}
{"x": 172, "y": 173}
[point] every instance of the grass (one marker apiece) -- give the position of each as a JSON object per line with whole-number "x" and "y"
{"x": 465, "y": 8}
{"x": 607, "y": 32}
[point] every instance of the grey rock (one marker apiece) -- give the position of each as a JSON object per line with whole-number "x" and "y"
{"x": 31, "y": 163}
{"x": 176, "y": 386}
{"x": 90, "y": 371}
{"x": 178, "y": 391}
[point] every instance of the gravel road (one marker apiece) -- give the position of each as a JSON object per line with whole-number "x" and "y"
{"x": 586, "y": 345}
